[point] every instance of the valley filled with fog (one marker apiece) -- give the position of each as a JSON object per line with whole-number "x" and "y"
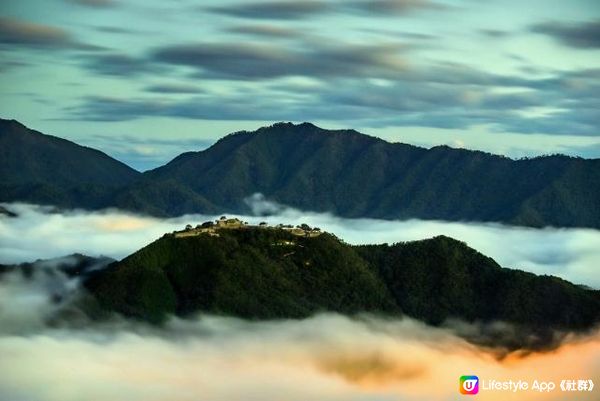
{"x": 325, "y": 357}
{"x": 41, "y": 233}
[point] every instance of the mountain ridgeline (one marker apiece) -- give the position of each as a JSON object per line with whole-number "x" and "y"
{"x": 343, "y": 172}
{"x": 44, "y": 169}
{"x": 270, "y": 273}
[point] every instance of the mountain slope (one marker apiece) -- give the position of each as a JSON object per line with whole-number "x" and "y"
{"x": 265, "y": 273}
{"x": 251, "y": 273}
{"x": 441, "y": 278}
{"x": 354, "y": 175}
{"x": 45, "y": 169}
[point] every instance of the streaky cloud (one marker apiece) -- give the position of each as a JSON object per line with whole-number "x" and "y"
{"x": 94, "y": 3}
{"x": 584, "y": 35}
{"x": 289, "y": 10}
{"x": 282, "y": 10}
{"x": 394, "y": 7}
{"x": 256, "y": 61}
{"x": 16, "y": 32}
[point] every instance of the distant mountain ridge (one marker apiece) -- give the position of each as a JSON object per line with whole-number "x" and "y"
{"x": 44, "y": 169}
{"x": 354, "y": 175}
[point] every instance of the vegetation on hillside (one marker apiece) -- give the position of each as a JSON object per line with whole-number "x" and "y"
{"x": 257, "y": 273}
{"x": 442, "y": 278}
{"x": 265, "y": 273}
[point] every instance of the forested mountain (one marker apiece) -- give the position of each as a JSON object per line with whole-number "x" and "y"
{"x": 343, "y": 172}
{"x": 266, "y": 273}
{"x": 44, "y": 169}
{"x": 355, "y": 175}
{"x": 441, "y": 278}
{"x": 252, "y": 273}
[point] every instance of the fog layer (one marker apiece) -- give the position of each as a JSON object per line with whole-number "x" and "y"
{"x": 327, "y": 357}
{"x": 50, "y": 352}
{"x": 573, "y": 254}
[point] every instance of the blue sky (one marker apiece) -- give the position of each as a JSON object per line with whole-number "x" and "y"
{"x": 145, "y": 80}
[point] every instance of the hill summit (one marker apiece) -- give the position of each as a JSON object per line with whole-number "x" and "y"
{"x": 267, "y": 272}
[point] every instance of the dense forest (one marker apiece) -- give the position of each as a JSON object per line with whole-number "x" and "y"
{"x": 251, "y": 273}
{"x": 268, "y": 273}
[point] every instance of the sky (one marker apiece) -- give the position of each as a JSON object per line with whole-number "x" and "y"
{"x": 145, "y": 80}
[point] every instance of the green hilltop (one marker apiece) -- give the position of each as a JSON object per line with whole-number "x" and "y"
{"x": 263, "y": 272}
{"x": 251, "y": 272}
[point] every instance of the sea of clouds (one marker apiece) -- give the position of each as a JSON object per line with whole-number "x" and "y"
{"x": 50, "y": 352}
{"x": 326, "y": 357}
{"x": 40, "y": 232}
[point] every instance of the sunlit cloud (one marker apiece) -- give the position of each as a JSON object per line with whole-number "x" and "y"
{"x": 327, "y": 357}
{"x": 52, "y": 352}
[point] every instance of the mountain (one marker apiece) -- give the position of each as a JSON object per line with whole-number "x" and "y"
{"x": 354, "y": 175}
{"x": 44, "y": 169}
{"x": 252, "y": 273}
{"x": 303, "y": 166}
{"x": 441, "y": 278}
{"x": 265, "y": 273}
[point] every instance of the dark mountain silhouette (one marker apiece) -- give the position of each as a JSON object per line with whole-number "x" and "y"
{"x": 343, "y": 172}
{"x": 355, "y": 175}
{"x": 45, "y": 169}
{"x": 267, "y": 273}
